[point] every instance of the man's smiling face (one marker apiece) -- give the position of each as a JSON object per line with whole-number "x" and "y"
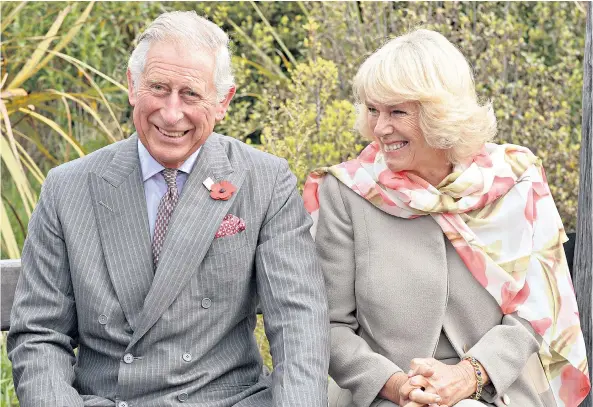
{"x": 175, "y": 102}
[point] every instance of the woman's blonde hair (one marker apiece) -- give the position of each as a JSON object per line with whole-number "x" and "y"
{"x": 423, "y": 66}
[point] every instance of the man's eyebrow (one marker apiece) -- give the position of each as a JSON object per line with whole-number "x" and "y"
{"x": 188, "y": 86}
{"x": 157, "y": 80}
{"x": 193, "y": 86}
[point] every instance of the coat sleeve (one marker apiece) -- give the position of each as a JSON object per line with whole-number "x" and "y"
{"x": 504, "y": 351}
{"x": 353, "y": 364}
{"x": 292, "y": 298}
{"x": 43, "y": 330}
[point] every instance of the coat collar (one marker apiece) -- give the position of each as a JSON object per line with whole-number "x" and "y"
{"x": 122, "y": 221}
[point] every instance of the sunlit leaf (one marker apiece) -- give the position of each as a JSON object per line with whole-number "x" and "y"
{"x": 30, "y": 67}
{"x": 8, "y": 240}
{"x": 77, "y": 147}
{"x": 66, "y": 39}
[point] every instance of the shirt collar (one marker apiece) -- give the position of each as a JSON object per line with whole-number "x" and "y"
{"x": 150, "y": 166}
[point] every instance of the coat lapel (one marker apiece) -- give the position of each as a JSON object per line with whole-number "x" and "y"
{"x": 120, "y": 209}
{"x": 190, "y": 232}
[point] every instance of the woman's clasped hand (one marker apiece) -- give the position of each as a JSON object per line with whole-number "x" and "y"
{"x": 431, "y": 383}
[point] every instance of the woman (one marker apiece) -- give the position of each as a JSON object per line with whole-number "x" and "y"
{"x": 442, "y": 252}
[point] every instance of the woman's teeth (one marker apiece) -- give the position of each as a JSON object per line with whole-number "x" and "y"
{"x": 394, "y": 146}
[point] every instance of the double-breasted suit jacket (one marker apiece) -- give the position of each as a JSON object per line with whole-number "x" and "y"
{"x": 182, "y": 333}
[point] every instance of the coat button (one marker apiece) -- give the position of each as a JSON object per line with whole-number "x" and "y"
{"x": 187, "y": 357}
{"x": 506, "y": 399}
{"x": 206, "y": 303}
{"x": 128, "y": 358}
{"x": 102, "y": 319}
{"x": 122, "y": 404}
{"x": 182, "y": 397}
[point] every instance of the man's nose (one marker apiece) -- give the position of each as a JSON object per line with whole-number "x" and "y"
{"x": 383, "y": 127}
{"x": 172, "y": 112}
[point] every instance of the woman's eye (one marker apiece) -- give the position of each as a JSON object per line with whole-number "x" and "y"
{"x": 372, "y": 111}
{"x": 398, "y": 113}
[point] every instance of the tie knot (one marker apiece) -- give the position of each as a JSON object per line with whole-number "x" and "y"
{"x": 170, "y": 175}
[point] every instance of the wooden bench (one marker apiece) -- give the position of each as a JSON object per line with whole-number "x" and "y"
{"x": 9, "y": 275}
{"x": 10, "y": 269}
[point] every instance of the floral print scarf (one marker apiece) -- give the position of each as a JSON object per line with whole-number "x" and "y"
{"x": 498, "y": 212}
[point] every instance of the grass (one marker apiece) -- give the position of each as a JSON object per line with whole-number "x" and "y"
{"x": 7, "y": 393}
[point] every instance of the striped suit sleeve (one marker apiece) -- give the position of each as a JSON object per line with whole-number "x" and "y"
{"x": 292, "y": 295}
{"x": 43, "y": 321}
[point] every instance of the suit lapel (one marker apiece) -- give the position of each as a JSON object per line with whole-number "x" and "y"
{"x": 120, "y": 209}
{"x": 190, "y": 232}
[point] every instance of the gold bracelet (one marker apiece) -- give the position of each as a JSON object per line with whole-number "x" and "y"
{"x": 479, "y": 379}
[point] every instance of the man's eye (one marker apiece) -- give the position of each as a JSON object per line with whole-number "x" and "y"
{"x": 157, "y": 87}
{"x": 398, "y": 112}
{"x": 191, "y": 94}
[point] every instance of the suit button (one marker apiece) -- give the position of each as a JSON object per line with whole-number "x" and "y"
{"x": 102, "y": 319}
{"x": 506, "y": 399}
{"x": 128, "y": 358}
{"x": 122, "y": 404}
{"x": 206, "y": 303}
{"x": 182, "y": 397}
{"x": 187, "y": 357}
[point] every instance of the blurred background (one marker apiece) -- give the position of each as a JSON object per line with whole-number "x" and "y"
{"x": 63, "y": 86}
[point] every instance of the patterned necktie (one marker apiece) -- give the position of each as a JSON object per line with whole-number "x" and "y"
{"x": 164, "y": 212}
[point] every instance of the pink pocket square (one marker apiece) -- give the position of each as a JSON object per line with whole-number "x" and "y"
{"x": 231, "y": 225}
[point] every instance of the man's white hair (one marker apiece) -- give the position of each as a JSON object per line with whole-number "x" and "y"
{"x": 424, "y": 67}
{"x": 188, "y": 29}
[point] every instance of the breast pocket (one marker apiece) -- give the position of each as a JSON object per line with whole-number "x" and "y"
{"x": 227, "y": 244}
{"x": 226, "y": 269}
{"x": 228, "y": 251}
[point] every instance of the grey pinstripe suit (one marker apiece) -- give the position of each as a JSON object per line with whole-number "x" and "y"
{"x": 88, "y": 281}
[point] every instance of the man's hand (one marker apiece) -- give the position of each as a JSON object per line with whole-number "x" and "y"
{"x": 401, "y": 391}
{"x": 452, "y": 383}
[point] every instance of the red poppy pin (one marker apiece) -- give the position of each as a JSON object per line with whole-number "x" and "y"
{"x": 222, "y": 190}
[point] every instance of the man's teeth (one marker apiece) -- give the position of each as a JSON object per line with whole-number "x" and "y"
{"x": 395, "y": 146}
{"x": 172, "y": 133}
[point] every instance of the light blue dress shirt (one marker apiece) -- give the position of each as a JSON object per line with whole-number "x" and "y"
{"x": 154, "y": 182}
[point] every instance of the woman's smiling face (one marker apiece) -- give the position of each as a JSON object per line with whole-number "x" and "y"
{"x": 397, "y": 130}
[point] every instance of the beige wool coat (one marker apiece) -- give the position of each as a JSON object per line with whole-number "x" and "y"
{"x": 393, "y": 286}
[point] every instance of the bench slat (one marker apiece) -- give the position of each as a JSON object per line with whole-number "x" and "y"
{"x": 9, "y": 275}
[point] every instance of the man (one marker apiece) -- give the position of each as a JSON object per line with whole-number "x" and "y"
{"x": 150, "y": 255}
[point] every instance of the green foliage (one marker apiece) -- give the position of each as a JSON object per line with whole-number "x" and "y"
{"x": 310, "y": 127}
{"x": 294, "y": 62}
{"x": 7, "y": 393}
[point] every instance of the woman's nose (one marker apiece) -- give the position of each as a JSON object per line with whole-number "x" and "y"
{"x": 383, "y": 127}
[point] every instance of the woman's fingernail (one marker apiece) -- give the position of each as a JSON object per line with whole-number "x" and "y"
{"x": 438, "y": 399}
{"x": 410, "y": 373}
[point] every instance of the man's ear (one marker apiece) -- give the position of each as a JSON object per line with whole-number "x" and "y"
{"x": 223, "y": 105}
{"x": 131, "y": 90}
